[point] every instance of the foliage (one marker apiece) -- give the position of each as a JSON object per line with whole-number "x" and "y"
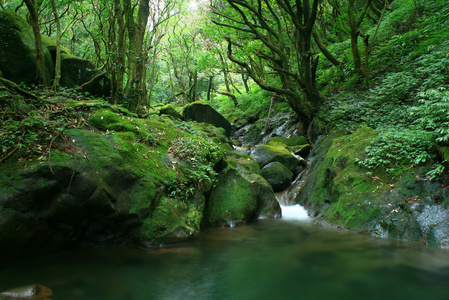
{"x": 434, "y": 112}
{"x": 32, "y": 127}
{"x": 197, "y": 158}
{"x": 396, "y": 149}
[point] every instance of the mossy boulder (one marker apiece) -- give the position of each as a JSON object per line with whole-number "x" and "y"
{"x": 106, "y": 187}
{"x": 290, "y": 141}
{"x": 170, "y": 111}
{"x": 277, "y": 175}
{"x": 343, "y": 194}
{"x": 241, "y": 194}
{"x": 18, "y": 59}
{"x": 17, "y": 50}
{"x": 265, "y": 154}
{"x": 202, "y": 112}
{"x": 174, "y": 220}
{"x": 231, "y": 200}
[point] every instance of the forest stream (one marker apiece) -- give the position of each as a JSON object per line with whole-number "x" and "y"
{"x": 267, "y": 259}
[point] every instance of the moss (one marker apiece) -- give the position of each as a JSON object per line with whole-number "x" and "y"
{"x": 173, "y": 220}
{"x": 341, "y": 184}
{"x": 291, "y": 141}
{"x": 232, "y": 199}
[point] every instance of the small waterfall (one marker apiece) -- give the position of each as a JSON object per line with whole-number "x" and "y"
{"x": 291, "y": 212}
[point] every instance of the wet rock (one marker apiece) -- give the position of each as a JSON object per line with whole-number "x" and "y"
{"x": 265, "y": 154}
{"x": 434, "y": 223}
{"x": 240, "y": 194}
{"x": 277, "y": 175}
{"x": 29, "y": 292}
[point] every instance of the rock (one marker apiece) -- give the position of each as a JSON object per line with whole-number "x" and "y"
{"x": 265, "y": 154}
{"x": 201, "y": 112}
{"x": 18, "y": 59}
{"x": 301, "y": 150}
{"x": 290, "y": 141}
{"x": 171, "y": 111}
{"x": 340, "y": 192}
{"x": 28, "y": 292}
{"x": 17, "y": 50}
{"x": 174, "y": 220}
{"x": 241, "y": 194}
{"x": 277, "y": 175}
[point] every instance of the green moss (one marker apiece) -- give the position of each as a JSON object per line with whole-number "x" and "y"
{"x": 291, "y": 141}
{"x": 343, "y": 185}
{"x": 233, "y": 199}
{"x": 173, "y": 220}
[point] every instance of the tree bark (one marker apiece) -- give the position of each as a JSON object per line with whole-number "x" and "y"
{"x": 230, "y": 95}
{"x": 58, "y": 48}
{"x": 41, "y": 75}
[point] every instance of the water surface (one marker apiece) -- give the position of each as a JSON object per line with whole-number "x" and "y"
{"x": 270, "y": 259}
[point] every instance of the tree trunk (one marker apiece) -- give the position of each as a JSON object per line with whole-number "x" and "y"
{"x": 40, "y": 65}
{"x": 230, "y": 95}
{"x": 209, "y": 89}
{"x": 58, "y": 48}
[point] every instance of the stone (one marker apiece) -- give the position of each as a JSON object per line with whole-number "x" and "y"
{"x": 240, "y": 194}
{"x": 18, "y": 59}
{"x": 264, "y": 154}
{"x": 277, "y": 175}
{"x": 171, "y": 111}
{"x": 202, "y": 112}
{"x": 232, "y": 199}
{"x": 28, "y": 292}
{"x": 17, "y": 50}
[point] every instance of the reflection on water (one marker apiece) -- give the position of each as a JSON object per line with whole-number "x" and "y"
{"x": 265, "y": 260}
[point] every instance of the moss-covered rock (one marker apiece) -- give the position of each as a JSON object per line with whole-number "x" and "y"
{"x": 202, "y": 112}
{"x": 171, "y": 111}
{"x": 265, "y": 154}
{"x": 344, "y": 195}
{"x": 241, "y": 194}
{"x": 277, "y": 175}
{"x": 17, "y": 50}
{"x": 290, "y": 141}
{"x": 231, "y": 200}
{"x": 174, "y": 220}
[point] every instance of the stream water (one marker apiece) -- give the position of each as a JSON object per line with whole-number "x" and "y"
{"x": 268, "y": 259}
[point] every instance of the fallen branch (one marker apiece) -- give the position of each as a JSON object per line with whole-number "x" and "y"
{"x": 15, "y": 89}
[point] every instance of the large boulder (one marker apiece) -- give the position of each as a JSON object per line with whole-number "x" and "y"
{"x": 18, "y": 59}
{"x": 343, "y": 194}
{"x": 17, "y": 50}
{"x": 277, "y": 175}
{"x": 170, "y": 111}
{"x": 241, "y": 194}
{"x": 79, "y": 73}
{"x": 202, "y": 112}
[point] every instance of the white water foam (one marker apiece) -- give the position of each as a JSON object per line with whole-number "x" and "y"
{"x": 291, "y": 212}
{"x": 294, "y": 212}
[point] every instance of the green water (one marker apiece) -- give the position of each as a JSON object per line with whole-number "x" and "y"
{"x": 264, "y": 260}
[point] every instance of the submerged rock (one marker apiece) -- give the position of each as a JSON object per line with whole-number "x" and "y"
{"x": 28, "y": 292}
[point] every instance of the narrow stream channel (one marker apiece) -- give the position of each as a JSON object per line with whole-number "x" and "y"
{"x": 268, "y": 259}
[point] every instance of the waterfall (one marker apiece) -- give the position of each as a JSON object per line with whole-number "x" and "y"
{"x": 291, "y": 212}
